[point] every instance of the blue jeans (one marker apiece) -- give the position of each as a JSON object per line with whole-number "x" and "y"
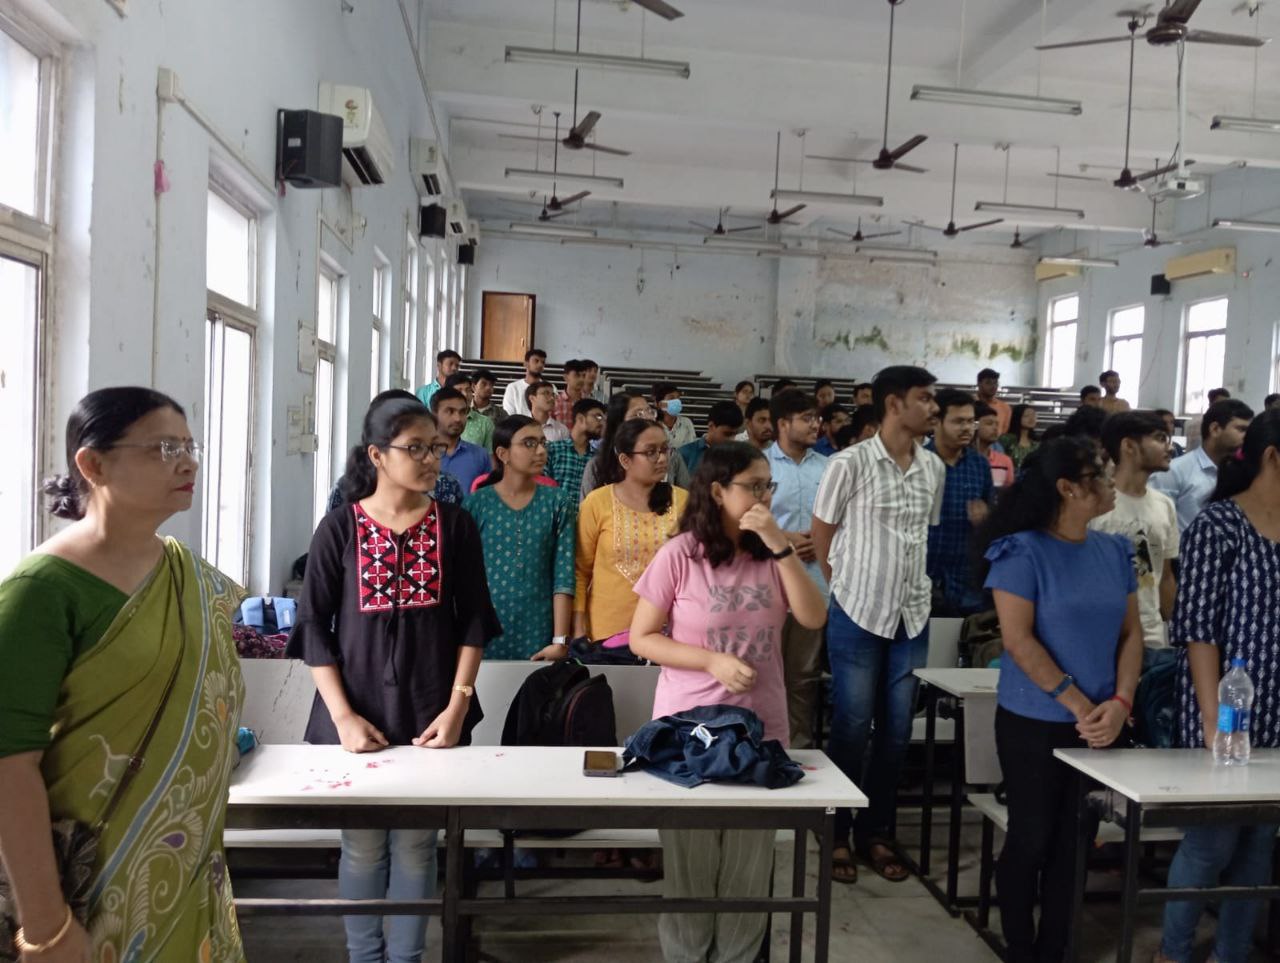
{"x": 387, "y": 864}
{"x": 1213, "y": 856}
{"x": 872, "y": 682}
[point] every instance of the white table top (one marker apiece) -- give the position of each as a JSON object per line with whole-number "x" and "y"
{"x": 1178, "y": 776}
{"x": 963, "y": 683}
{"x": 503, "y": 776}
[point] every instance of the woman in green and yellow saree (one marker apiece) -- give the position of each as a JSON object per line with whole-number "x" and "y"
{"x": 120, "y": 696}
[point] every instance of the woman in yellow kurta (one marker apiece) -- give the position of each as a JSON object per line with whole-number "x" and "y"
{"x": 621, "y": 526}
{"x": 120, "y": 696}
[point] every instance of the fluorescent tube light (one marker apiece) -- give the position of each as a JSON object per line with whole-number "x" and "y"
{"x": 552, "y": 230}
{"x": 870, "y": 249}
{"x": 564, "y": 176}
{"x": 1006, "y": 207}
{"x": 799, "y": 253}
{"x": 595, "y": 61}
{"x": 1248, "y": 125}
{"x": 826, "y": 197}
{"x": 899, "y": 259}
{"x": 992, "y": 98}
{"x": 1081, "y": 261}
{"x": 1264, "y": 227}
{"x": 598, "y": 241}
{"x": 732, "y": 244}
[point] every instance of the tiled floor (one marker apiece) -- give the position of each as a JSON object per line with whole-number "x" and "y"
{"x": 872, "y": 921}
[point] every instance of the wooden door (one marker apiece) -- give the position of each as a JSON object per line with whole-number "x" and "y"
{"x": 506, "y": 325}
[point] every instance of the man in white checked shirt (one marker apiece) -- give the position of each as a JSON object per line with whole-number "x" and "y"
{"x": 870, "y": 532}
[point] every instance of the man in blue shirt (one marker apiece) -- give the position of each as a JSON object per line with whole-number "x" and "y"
{"x": 724, "y": 420}
{"x": 447, "y": 362}
{"x": 797, "y": 471}
{"x": 1192, "y": 478}
{"x": 966, "y": 500}
{"x": 464, "y": 461}
{"x": 833, "y": 417}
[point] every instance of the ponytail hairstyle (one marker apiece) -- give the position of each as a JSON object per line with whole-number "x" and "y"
{"x": 504, "y": 434}
{"x": 1241, "y": 470}
{"x": 614, "y": 417}
{"x": 624, "y": 443}
{"x": 704, "y": 519}
{"x": 388, "y": 415}
{"x": 99, "y": 420}
{"x": 1032, "y": 502}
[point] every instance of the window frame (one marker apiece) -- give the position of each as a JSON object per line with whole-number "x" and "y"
{"x": 327, "y": 352}
{"x": 410, "y": 313}
{"x": 1188, "y": 336}
{"x": 1052, "y": 325}
{"x": 229, "y": 197}
{"x": 1114, "y": 339}
{"x": 46, "y": 51}
{"x": 380, "y": 325}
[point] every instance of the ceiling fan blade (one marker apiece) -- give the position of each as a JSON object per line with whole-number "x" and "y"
{"x": 928, "y": 227}
{"x": 852, "y": 237}
{"x": 705, "y": 227}
{"x": 783, "y": 215}
{"x": 660, "y": 7}
{"x": 735, "y": 230}
{"x": 1179, "y": 11}
{"x": 908, "y": 169}
{"x": 1081, "y": 43}
{"x": 974, "y": 227}
{"x": 574, "y": 198}
{"x": 1077, "y": 177}
{"x": 1225, "y": 39}
{"x": 607, "y": 150}
{"x": 1158, "y": 172}
{"x": 539, "y": 140}
{"x": 585, "y": 126}
{"x": 904, "y": 149}
{"x": 836, "y": 160}
{"x": 868, "y": 237}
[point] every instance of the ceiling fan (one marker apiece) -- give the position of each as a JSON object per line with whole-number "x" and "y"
{"x": 1017, "y": 244}
{"x": 554, "y": 203}
{"x": 776, "y": 216}
{"x": 660, "y": 7}
{"x": 1171, "y": 27}
{"x": 951, "y": 230}
{"x": 720, "y": 230}
{"x": 1150, "y": 239}
{"x": 859, "y": 236}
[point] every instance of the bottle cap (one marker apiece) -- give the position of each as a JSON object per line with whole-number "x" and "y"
{"x": 1237, "y": 663}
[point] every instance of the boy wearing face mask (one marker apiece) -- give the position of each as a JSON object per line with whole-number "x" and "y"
{"x": 680, "y": 430}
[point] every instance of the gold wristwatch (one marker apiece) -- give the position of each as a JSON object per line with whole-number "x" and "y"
{"x": 466, "y": 690}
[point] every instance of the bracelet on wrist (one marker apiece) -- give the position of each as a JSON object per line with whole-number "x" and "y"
{"x": 788, "y": 551}
{"x": 1128, "y": 706}
{"x": 1066, "y": 683}
{"x": 559, "y": 640}
{"x": 24, "y": 945}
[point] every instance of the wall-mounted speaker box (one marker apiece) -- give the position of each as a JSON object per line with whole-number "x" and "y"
{"x": 309, "y": 148}
{"x": 467, "y": 254}
{"x": 1161, "y": 285}
{"x": 433, "y": 221}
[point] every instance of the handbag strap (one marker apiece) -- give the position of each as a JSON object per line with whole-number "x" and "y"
{"x": 138, "y": 758}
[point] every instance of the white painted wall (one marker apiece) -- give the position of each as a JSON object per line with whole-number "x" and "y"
{"x": 129, "y": 275}
{"x": 1254, "y": 293}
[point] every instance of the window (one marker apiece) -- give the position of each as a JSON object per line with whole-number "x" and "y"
{"x": 378, "y": 330}
{"x": 20, "y": 328}
{"x": 430, "y": 314}
{"x": 231, "y": 327}
{"x": 409, "y": 368}
{"x": 24, "y": 126}
{"x": 460, "y": 311}
{"x": 1064, "y": 316}
{"x": 1204, "y": 351}
{"x": 1124, "y": 348}
{"x": 327, "y": 297}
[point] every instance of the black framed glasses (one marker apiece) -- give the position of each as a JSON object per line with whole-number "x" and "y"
{"x": 758, "y": 489}
{"x": 653, "y": 454}
{"x": 169, "y": 449}
{"x": 533, "y": 444}
{"x": 420, "y": 452}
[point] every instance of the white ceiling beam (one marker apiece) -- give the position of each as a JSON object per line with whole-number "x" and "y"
{"x": 1014, "y": 53}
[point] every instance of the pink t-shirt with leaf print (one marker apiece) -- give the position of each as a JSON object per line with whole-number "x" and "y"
{"x": 738, "y": 608}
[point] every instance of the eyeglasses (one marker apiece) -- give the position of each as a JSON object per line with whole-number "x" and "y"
{"x": 758, "y": 489}
{"x": 654, "y": 454}
{"x": 420, "y": 452}
{"x": 170, "y": 451}
{"x": 809, "y": 418}
{"x": 648, "y": 414}
{"x": 533, "y": 444}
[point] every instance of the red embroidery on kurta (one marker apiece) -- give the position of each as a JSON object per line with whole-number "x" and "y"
{"x": 390, "y": 578}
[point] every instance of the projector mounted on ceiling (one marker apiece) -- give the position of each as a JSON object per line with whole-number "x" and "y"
{"x": 1179, "y": 187}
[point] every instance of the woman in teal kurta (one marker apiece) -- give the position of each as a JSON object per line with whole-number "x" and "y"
{"x": 529, "y": 532}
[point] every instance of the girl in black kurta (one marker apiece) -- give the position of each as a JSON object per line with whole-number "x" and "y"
{"x": 393, "y": 619}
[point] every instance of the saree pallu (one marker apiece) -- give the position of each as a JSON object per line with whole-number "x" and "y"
{"x": 160, "y": 887}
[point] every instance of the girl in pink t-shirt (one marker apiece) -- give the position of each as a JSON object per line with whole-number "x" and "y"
{"x": 710, "y": 612}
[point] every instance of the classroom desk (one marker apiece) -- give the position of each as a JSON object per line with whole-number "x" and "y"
{"x": 1168, "y": 787}
{"x": 527, "y": 787}
{"x": 960, "y": 685}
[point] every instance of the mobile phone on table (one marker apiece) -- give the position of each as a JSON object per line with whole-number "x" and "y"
{"x": 599, "y": 762}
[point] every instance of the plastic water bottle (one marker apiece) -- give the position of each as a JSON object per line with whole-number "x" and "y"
{"x": 1235, "y": 702}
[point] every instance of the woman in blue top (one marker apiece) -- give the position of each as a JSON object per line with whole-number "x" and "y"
{"x": 1068, "y": 608}
{"x": 1228, "y": 607}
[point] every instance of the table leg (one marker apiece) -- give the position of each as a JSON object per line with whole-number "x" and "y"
{"x": 957, "y": 805}
{"x": 826, "y": 843}
{"x": 1129, "y": 894}
{"x": 797, "y": 890}
{"x": 926, "y": 806}
{"x": 984, "y": 873}
{"x": 453, "y": 947}
{"x": 1080, "y": 788}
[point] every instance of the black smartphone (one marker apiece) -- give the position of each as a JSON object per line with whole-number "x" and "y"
{"x": 599, "y": 762}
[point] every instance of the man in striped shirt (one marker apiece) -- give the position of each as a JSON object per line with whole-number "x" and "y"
{"x": 870, "y": 530}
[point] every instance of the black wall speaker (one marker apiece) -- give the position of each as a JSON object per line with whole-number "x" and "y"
{"x": 309, "y": 148}
{"x": 467, "y": 254}
{"x": 1161, "y": 285}
{"x": 433, "y": 221}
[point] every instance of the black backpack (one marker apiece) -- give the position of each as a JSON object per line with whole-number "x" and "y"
{"x": 562, "y": 704}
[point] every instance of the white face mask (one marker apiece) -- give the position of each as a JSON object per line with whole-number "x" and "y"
{"x": 673, "y": 407}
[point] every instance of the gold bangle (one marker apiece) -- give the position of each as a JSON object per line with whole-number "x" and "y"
{"x": 26, "y": 946}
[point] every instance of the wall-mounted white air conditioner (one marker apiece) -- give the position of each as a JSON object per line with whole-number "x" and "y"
{"x": 426, "y": 164}
{"x": 1220, "y": 260}
{"x": 366, "y": 146}
{"x": 457, "y": 217}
